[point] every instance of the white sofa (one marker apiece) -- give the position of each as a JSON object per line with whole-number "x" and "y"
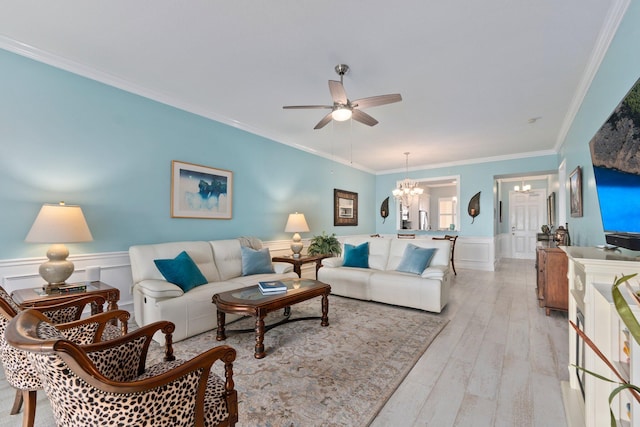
{"x": 381, "y": 282}
{"x": 192, "y": 312}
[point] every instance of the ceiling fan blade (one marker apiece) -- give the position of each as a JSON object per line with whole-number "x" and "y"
{"x": 322, "y": 123}
{"x": 362, "y": 117}
{"x": 305, "y": 107}
{"x": 337, "y": 92}
{"x": 374, "y": 101}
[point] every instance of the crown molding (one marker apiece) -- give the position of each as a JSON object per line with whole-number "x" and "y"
{"x": 474, "y": 161}
{"x": 74, "y": 67}
{"x": 611, "y": 23}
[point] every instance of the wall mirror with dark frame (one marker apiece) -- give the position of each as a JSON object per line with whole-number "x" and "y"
{"x": 437, "y": 209}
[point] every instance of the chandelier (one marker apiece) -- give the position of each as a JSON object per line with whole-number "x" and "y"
{"x": 522, "y": 189}
{"x": 407, "y": 189}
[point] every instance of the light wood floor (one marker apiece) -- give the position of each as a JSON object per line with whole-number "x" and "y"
{"x": 498, "y": 362}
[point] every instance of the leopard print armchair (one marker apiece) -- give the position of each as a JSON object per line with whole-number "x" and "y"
{"x": 108, "y": 383}
{"x": 21, "y": 374}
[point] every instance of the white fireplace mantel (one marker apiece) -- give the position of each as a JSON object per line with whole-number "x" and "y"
{"x": 591, "y": 273}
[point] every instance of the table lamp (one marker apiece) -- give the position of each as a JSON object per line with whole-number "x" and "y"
{"x": 296, "y": 224}
{"x": 58, "y": 224}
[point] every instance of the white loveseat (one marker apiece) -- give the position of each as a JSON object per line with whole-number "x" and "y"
{"x": 192, "y": 312}
{"x": 381, "y": 282}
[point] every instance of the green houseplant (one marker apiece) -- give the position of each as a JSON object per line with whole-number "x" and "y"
{"x": 630, "y": 321}
{"x": 325, "y": 245}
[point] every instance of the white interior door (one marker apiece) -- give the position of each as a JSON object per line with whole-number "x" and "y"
{"x": 526, "y": 215}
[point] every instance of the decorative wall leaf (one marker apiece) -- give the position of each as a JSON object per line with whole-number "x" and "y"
{"x": 474, "y": 206}
{"x": 384, "y": 209}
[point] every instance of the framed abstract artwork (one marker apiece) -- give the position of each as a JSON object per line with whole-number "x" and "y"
{"x": 345, "y": 207}
{"x": 200, "y": 191}
{"x": 575, "y": 192}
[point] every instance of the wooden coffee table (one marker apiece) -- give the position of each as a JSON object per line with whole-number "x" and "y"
{"x": 250, "y": 301}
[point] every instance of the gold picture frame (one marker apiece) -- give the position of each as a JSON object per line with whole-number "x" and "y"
{"x": 345, "y": 207}
{"x": 200, "y": 191}
{"x": 575, "y": 192}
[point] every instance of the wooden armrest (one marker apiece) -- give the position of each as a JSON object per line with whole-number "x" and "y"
{"x": 197, "y": 370}
{"x": 90, "y": 330}
{"x": 6, "y": 309}
{"x": 204, "y": 361}
{"x": 79, "y": 303}
{"x": 146, "y": 333}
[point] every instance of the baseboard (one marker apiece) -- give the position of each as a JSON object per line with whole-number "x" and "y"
{"x": 573, "y": 405}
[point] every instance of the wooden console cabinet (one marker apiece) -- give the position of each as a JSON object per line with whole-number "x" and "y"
{"x": 552, "y": 284}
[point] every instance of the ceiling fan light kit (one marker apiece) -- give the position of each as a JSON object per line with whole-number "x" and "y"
{"x": 344, "y": 109}
{"x": 341, "y": 114}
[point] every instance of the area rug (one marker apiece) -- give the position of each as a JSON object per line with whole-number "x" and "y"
{"x": 340, "y": 375}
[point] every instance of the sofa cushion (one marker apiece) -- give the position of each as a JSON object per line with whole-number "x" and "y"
{"x": 440, "y": 257}
{"x": 378, "y": 250}
{"x": 142, "y": 256}
{"x": 228, "y": 258}
{"x": 256, "y": 261}
{"x": 348, "y": 282}
{"x": 434, "y": 272}
{"x": 415, "y": 259}
{"x": 356, "y": 256}
{"x": 181, "y": 271}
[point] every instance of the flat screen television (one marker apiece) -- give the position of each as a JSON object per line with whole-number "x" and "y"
{"x": 615, "y": 154}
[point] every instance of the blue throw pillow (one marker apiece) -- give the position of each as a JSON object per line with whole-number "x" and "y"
{"x": 256, "y": 261}
{"x": 356, "y": 256}
{"x": 415, "y": 259}
{"x": 181, "y": 271}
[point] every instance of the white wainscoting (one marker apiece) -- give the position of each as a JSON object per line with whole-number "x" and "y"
{"x": 115, "y": 269}
{"x": 476, "y": 253}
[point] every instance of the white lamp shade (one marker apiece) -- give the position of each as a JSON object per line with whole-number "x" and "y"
{"x": 59, "y": 224}
{"x": 296, "y": 224}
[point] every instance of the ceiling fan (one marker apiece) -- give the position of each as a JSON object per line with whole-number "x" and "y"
{"x": 344, "y": 109}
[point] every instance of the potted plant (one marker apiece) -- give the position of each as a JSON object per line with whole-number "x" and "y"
{"x": 630, "y": 321}
{"x": 325, "y": 245}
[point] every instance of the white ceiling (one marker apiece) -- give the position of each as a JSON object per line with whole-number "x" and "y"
{"x": 472, "y": 74}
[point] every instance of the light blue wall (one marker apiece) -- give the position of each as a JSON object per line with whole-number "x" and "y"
{"x": 473, "y": 178}
{"x": 618, "y": 72}
{"x": 64, "y": 137}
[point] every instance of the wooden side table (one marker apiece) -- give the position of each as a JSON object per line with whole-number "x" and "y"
{"x": 304, "y": 259}
{"x": 35, "y": 297}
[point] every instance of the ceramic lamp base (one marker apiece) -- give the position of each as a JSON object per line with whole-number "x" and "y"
{"x": 296, "y": 245}
{"x": 58, "y": 269}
